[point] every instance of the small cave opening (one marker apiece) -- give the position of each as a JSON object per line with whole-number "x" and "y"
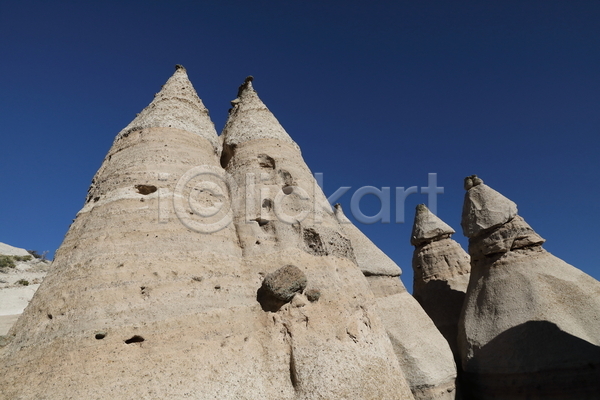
{"x": 261, "y": 221}
{"x": 227, "y": 154}
{"x": 100, "y": 335}
{"x": 134, "y": 339}
{"x": 146, "y": 189}
{"x": 267, "y": 204}
{"x": 266, "y": 161}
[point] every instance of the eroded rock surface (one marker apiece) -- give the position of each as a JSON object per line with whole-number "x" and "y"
{"x": 531, "y": 322}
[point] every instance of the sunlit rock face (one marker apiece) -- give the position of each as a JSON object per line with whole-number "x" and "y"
{"x": 422, "y": 351}
{"x": 441, "y": 273}
{"x": 530, "y": 327}
{"x": 164, "y": 289}
{"x": 335, "y": 343}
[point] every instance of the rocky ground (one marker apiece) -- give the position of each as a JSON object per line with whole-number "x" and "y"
{"x": 19, "y": 280}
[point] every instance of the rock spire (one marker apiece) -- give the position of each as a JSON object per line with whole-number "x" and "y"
{"x": 531, "y": 322}
{"x": 250, "y": 119}
{"x": 422, "y": 351}
{"x": 441, "y": 273}
{"x": 331, "y": 331}
{"x": 176, "y": 106}
{"x": 138, "y": 294}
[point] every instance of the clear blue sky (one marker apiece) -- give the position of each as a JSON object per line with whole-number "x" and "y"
{"x": 375, "y": 93}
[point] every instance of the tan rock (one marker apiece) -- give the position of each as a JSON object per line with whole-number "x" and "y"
{"x": 485, "y": 208}
{"x": 336, "y": 345}
{"x": 441, "y": 273}
{"x": 531, "y": 322}
{"x": 422, "y": 351}
{"x": 427, "y": 227}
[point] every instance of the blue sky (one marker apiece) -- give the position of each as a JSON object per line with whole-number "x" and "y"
{"x": 375, "y": 93}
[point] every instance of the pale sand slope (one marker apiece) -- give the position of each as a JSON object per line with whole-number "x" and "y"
{"x": 14, "y": 296}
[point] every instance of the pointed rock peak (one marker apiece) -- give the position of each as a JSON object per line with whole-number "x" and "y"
{"x": 176, "y": 106}
{"x": 246, "y": 86}
{"x": 484, "y": 208}
{"x": 428, "y": 226}
{"x": 250, "y": 119}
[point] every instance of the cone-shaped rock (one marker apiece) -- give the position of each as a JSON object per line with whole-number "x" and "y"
{"x": 144, "y": 291}
{"x": 428, "y": 227}
{"x": 327, "y": 342}
{"x": 441, "y": 273}
{"x": 531, "y": 322}
{"x": 422, "y": 351}
{"x": 176, "y": 106}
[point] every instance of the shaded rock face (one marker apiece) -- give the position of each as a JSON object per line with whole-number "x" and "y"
{"x": 422, "y": 351}
{"x": 153, "y": 293}
{"x": 530, "y": 327}
{"x": 441, "y": 273}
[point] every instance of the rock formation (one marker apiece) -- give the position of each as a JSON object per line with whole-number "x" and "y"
{"x": 334, "y": 346}
{"x": 422, "y": 351}
{"x": 157, "y": 290}
{"x": 530, "y": 327}
{"x": 441, "y": 273}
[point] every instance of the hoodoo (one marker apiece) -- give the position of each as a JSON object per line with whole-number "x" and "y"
{"x": 441, "y": 273}
{"x": 424, "y": 355}
{"x": 330, "y": 338}
{"x": 531, "y": 322}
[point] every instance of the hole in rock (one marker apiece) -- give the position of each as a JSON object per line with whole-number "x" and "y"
{"x": 265, "y": 161}
{"x": 261, "y": 222}
{"x": 286, "y": 177}
{"x": 135, "y": 339}
{"x": 227, "y": 154}
{"x": 288, "y": 189}
{"x": 146, "y": 189}
{"x": 100, "y": 335}
{"x": 50, "y": 316}
{"x": 267, "y": 301}
{"x": 267, "y": 204}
